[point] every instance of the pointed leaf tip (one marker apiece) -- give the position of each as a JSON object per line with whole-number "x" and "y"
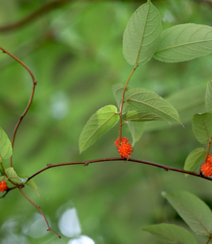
{"x": 192, "y": 210}
{"x": 144, "y": 100}
{"x": 142, "y": 34}
{"x": 32, "y": 184}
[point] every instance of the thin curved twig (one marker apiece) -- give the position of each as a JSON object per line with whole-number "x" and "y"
{"x": 39, "y": 209}
{"x": 44, "y": 9}
{"x": 30, "y": 100}
{"x": 86, "y": 163}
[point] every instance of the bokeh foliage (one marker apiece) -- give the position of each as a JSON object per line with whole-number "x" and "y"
{"x": 75, "y": 53}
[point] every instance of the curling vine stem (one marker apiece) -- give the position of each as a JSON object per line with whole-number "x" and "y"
{"x": 30, "y": 100}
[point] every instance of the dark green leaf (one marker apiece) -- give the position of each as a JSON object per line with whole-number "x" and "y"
{"x": 98, "y": 124}
{"x": 184, "y": 42}
{"x": 187, "y": 102}
{"x": 5, "y": 145}
{"x": 208, "y": 97}
{"x": 194, "y": 158}
{"x": 142, "y": 34}
{"x": 136, "y": 116}
{"x": 202, "y": 127}
{"x": 148, "y": 101}
{"x": 192, "y": 210}
{"x": 171, "y": 234}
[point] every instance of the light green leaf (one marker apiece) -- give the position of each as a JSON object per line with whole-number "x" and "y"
{"x": 10, "y": 172}
{"x": 192, "y": 210}
{"x": 184, "y": 42}
{"x": 142, "y": 34}
{"x": 5, "y": 145}
{"x": 3, "y": 177}
{"x": 202, "y": 127}
{"x": 194, "y": 158}
{"x": 148, "y": 101}
{"x": 136, "y": 116}
{"x": 136, "y": 130}
{"x": 208, "y": 97}
{"x": 32, "y": 184}
{"x": 170, "y": 234}
{"x": 98, "y": 124}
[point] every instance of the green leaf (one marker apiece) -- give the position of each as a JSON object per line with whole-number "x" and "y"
{"x": 3, "y": 177}
{"x": 98, "y": 124}
{"x": 32, "y": 184}
{"x": 194, "y": 158}
{"x": 170, "y": 234}
{"x": 148, "y": 101}
{"x": 208, "y": 97}
{"x": 5, "y": 145}
{"x": 184, "y": 42}
{"x": 136, "y": 130}
{"x": 138, "y": 116}
{"x": 142, "y": 34}
{"x": 192, "y": 210}
{"x": 202, "y": 127}
{"x": 187, "y": 102}
{"x": 10, "y": 172}
{"x": 118, "y": 93}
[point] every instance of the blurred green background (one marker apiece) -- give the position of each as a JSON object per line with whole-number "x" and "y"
{"x": 75, "y": 53}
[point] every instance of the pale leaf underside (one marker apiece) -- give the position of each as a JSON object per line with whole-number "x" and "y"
{"x": 184, "y": 42}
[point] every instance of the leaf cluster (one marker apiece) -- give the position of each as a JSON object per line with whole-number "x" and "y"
{"x": 196, "y": 214}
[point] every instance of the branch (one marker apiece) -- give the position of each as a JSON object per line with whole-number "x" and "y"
{"x": 30, "y": 100}
{"x": 205, "y": 1}
{"x": 86, "y": 163}
{"x": 49, "y": 229}
{"x": 9, "y": 189}
{"x": 44, "y": 9}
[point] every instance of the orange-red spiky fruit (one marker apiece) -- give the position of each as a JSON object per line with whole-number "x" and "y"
{"x": 3, "y": 186}
{"x": 124, "y": 148}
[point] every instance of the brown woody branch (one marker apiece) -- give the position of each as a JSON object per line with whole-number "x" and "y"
{"x": 86, "y": 163}
{"x": 44, "y": 9}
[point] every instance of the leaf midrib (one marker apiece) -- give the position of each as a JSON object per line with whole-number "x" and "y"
{"x": 99, "y": 126}
{"x": 182, "y": 45}
{"x": 134, "y": 100}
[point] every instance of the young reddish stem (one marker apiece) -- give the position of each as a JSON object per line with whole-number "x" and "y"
{"x": 122, "y": 102}
{"x": 209, "y": 238}
{"x": 207, "y": 153}
{"x": 39, "y": 209}
{"x": 30, "y": 100}
{"x": 208, "y": 150}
